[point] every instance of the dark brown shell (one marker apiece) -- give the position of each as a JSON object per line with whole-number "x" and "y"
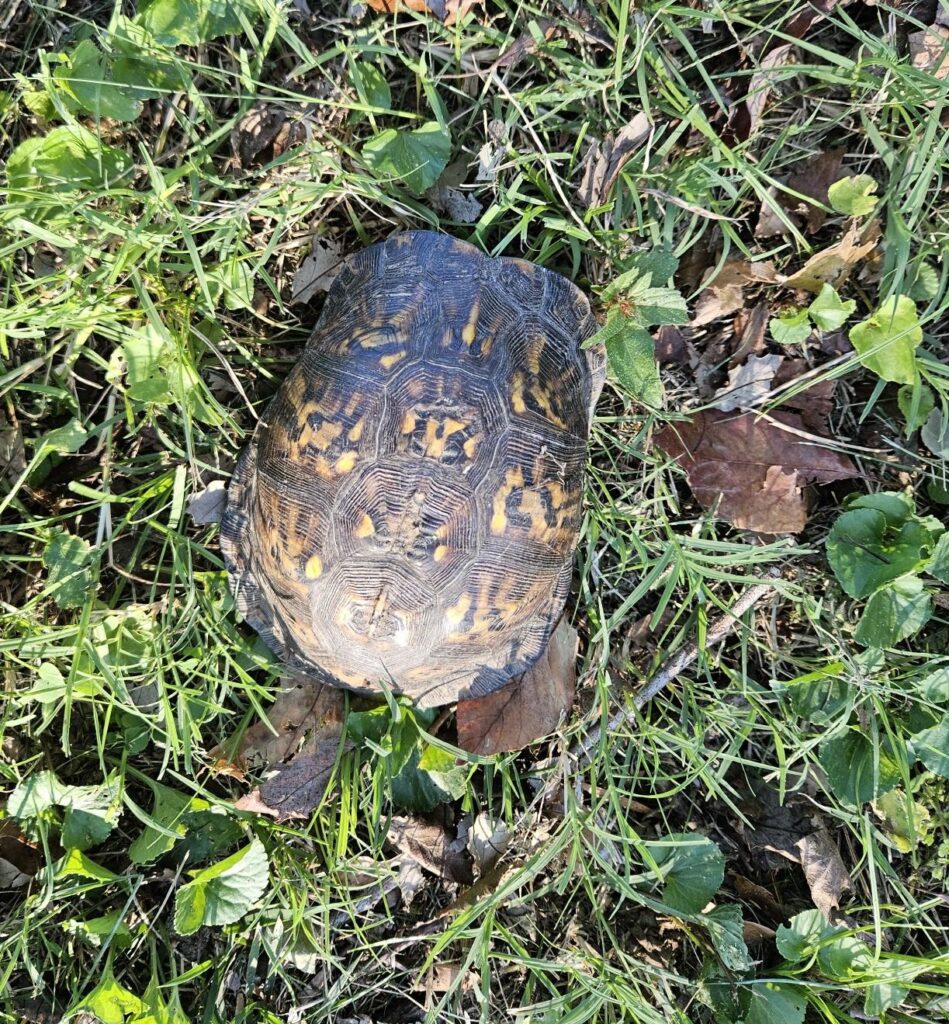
{"x": 407, "y": 513}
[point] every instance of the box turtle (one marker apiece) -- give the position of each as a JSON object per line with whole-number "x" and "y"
{"x": 407, "y": 512}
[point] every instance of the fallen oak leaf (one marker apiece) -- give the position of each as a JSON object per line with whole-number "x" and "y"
{"x": 749, "y": 383}
{"x": 751, "y": 470}
{"x": 605, "y": 160}
{"x": 529, "y": 707}
{"x": 834, "y": 264}
{"x": 447, "y": 11}
{"x": 723, "y": 289}
{"x": 929, "y": 50}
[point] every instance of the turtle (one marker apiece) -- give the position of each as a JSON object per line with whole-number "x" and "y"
{"x": 407, "y": 511}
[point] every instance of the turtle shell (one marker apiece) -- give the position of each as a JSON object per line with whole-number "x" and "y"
{"x": 407, "y": 512}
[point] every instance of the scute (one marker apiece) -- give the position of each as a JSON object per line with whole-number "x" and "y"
{"x": 407, "y": 512}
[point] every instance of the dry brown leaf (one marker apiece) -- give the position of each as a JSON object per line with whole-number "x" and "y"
{"x": 527, "y": 708}
{"x": 207, "y": 506}
{"x": 762, "y": 84}
{"x": 433, "y": 847}
{"x": 833, "y": 265}
{"x": 930, "y": 50}
{"x": 20, "y": 859}
{"x": 448, "y": 11}
{"x": 724, "y": 290}
{"x": 317, "y": 271}
{"x": 749, "y": 328}
{"x": 295, "y": 789}
{"x": 754, "y": 933}
{"x": 752, "y": 470}
{"x": 813, "y": 181}
{"x": 827, "y": 878}
{"x": 487, "y": 840}
{"x": 460, "y": 206}
{"x": 444, "y": 977}
{"x": 525, "y": 44}
{"x": 815, "y": 403}
{"x": 748, "y": 383}
{"x": 605, "y": 160}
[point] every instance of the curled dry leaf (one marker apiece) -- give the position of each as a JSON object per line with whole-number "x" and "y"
{"x": 207, "y": 506}
{"x": 527, "y": 708}
{"x": 447, "y": 11}
{"x": 433, "y": 847}
{"x": 605, "y": 160}
{"x": 752, "y": 470}
{"x": 317, "y": 271}
{"x": 930, "y": 50}
{"x": 812, "y": 181}
{"x": 487, "y": 840}
{"x": 525, "y": 44}
{"x": 460, "y": 206}
{"x": 748, "y": 383}
{"x": 723, "y": 291}
{"x": 834, "y": 264}
{"x": 759, "y": 90}
{"x": 827, "y": 878}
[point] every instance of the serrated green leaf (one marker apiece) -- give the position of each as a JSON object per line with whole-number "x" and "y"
{"x": 726, "y": 930}
{"x": 692, "y": 869}
{"x": 224, "y": 892}
{"x": 631, "y": 356}
{"x": 774, "y": 1002}
{"x": 86, "y": 75}
{"x": 658, "y": 263}
{"x": 191, "y": 22}
{"x": 906, "y": 822}
{"x": 925, "y": 286}
{"x": 893, "y": 613}
{"x": 65, "y": 159}
{"x": 938, "y": 564}
{"x": 857, "y": 770}
{"x": 935, "y": 433}
{"x": 800, "y": 939}
{"x": 886, "y": 342}
{"x": 854, "y": 196}
{"x": 865, "y": 552}
{"x": 169, "y": 811}
{"x": 828, "y": 311}
{"x": 68, "y": 560}
{"x": 415, "y": 157}
{"x": 790, "y": 328}
{"x": 931, "y": 746}
{"x": 916, "y": 402}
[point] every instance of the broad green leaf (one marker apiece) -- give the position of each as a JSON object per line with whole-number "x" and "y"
{"x": 659, "y": 263}
{"x": 791, "y": 328}
{"x": 916, "y": 402}
{"x": 866, "y": 553}
{"x": 67, "y": 158}
{"x": 896, "y": 506}
{"x": 844, "y": 957}
{"x": 906, "y": 822}
{"x": 109, "y": 929}
{"x": 935, "y": 433}
{"x": 631, "y": 355}
{"x": 692, "y": 869}
{"x": 232, "y": 282}
{"x": 882, "y": 997}
{"x": 146, "y": 68}
{"x": 444, "y": 770}
{"x": 417, "y": 789}
{"x": 109, "y": 1002}
{"x": 90, "y": 812}
{"x": 191, "y": 22}
{"x": 798, "y": 940}
{"x": 40, "y": 792}
{"x": 931, "y": 746}
{"x": 224, "y": 892}
{"x": 925, "y": 283}
{"x": 66, "y": 440}
{"x": 648, "y": 305}
{"x": 77, "y": 864}
{"x": 828, "y": 311}
{"x": 68, "y": 560}
{"x": 819, "y": 697}
{"x": 938, "y": 564}
{"x": 854, "y": 196}
{"x": 86, "y": 76}
{"x": 774, "y": 1002}
{"x": 726, "y": 930}
{"x": 893, "y": 613}
{"x": 935, "y": 687}
{"x": 371, "y": 87}
{"x": 857, "y": 770}
{"x": 169, "y": 810}
{"x": 416, "y": 157}
{"x": 886, "y": 342}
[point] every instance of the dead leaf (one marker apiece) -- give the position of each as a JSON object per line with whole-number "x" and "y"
{"x": 723, "y": 290}
{"x": 295, "y": 789}
{"x": 748, "y": 383}
{"x": 750, "y": 892}
{"x": 761, "y": 86}
{"x": 606, "y": 159}
{"x": 752, "y": 470}
{"x": 929, "y": 50}
{"x": 815, "y": 402}
{"x": 754, "y": 933}
{"x": 671, "y": 346}
{"x": 263, "y": 134}
{"x": 749, "y": 328}
{"x": 460, "y": 206}
{"x": 207, "y": 506}
{"x": 827, "y": 878}
{"x": 20, "y": 859}
{"x": 525, "y": 44}
{"x": 447, "y": 11}
{"x": 769, "y": 221}
{"x": 834, "y": 264}
{"x": 317, "y": 272}
{"x": 444, "y": 977}
{"x": 487, "y": 840}
{"x": 492, "y": 152}
{"x": 812, "y": 181}
{"x": 527, "y": 708}
{"x": 433, "y": 847}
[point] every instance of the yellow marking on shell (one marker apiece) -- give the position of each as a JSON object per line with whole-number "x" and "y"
{"x": 498, "y": 520}
{"x": 517, "y": 393}
{"x": 471, "y": 446}
{"x": 456, "y": 613}
{"x": 452, "y": 427}
{"x": 365, "y": 527}
{"x": 408, "y": 423}
{"x": 387, "y": 362}
{"x": 355, "y": 431}
{"x": 353, "y": 404}
{"x": 345, "y": 463}
{"x": 323, "y": 437}
{"x": 542, "y": 398}
{"x": 533, "y": 355}
{"x": 314, "y": 567}
{"x": 470, "y": 331}
{"x": 557, "y": 494}
{"x": 440, "y": 551}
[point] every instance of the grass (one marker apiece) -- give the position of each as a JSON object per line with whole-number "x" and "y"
{"x": 144, "y": 324}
